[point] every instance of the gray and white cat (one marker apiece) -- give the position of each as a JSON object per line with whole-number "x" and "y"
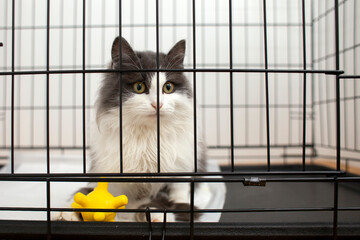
{"x": 139, "y": 129}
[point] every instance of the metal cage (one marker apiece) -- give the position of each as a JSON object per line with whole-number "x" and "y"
{"x": 277, "y": 87}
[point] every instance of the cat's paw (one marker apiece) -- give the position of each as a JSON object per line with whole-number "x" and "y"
{"x": 66, "y": 216}
{"x": 159, "y": 217}
{"x": 156, "y": 217}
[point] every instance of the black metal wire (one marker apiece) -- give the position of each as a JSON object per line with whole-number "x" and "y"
{"x": 192, "y": 188}
{"x": 148, "y": 219}
{"x": 338, "y": 126}
{"x": 193, "y": 70}
{"x": 163, "y": 232}
{"x": 192, "y": 208}
{"x": 186, "y": 65}
{"x": 158, "y": 89}
{"x": 231, "y": 88}
{"x": 202, "y": 211}
{"x": 304, "y": 87}
{"x": 150, "y": 25}
{"x": 194, "y": 83}
{"x": 120, "y": 93}
{"x": 335, "y": 210}
{"x": 266, "y": 87}
{"x": 307, "y": 176}
{"x": 12, "y": 86}
{"x": 48, "y": 209}
{"x": 48, "y": 212}
{"x": 84, "y": 84}
{"x": 48, "y": 88}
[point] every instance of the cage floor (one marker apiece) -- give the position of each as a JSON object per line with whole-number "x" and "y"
{"x": 290, "y": 195}
{"x": 251, "y": 224}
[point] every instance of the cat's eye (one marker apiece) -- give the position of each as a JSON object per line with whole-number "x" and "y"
{"x": 168, "y": 87}
{"x": 139, "y": 87}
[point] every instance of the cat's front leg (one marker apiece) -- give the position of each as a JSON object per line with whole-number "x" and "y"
{"x": 180, "y": 193}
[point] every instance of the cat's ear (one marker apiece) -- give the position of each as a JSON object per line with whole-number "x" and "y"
{"x": 177, "y": 53}
{"x": 126, "y": 51}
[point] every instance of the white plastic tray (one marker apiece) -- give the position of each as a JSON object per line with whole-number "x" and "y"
{"x": 33, "y": 194}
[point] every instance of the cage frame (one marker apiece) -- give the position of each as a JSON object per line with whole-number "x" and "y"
{"x": 54, "y": 230}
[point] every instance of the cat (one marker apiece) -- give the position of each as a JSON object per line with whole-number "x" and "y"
{"x": 139, "y": 130}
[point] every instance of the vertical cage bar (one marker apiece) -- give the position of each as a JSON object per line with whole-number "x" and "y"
{"x": 164, "y": 226}
{"x": 266, "y": 87}
{"x": 120, "y": 92}
{"x": 338, "y": 137}
{"x": 48, "y": 212}
{"x": 148, "y": 219}
{"x": 338, "y": 117}
{"x": 12, "y": 85}
{"x": 338, "y": 124}
{"x": 84, "y": 84}
{"x": 313, "y": 125}
{"x": 48, "y": 88}
{"x": 337, "y": 41}
{"x": 158, "y": 87}
{"x": 231, "y": 89}
{"x": 48, "y": 119}
{"x": 194, "y": 83}
{"x": 335, "y": 213}
{"x": 192, "y": 204}
{"x": 355, "y": 27}
{"x": 304, "y": 82}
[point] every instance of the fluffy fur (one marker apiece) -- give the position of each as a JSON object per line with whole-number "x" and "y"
{"x": 139, "y": 129}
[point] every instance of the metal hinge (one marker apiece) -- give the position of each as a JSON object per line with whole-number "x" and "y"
{"x": 255, "y": 181}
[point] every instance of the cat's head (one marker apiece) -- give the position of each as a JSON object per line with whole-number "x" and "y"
{"x": 139, "y": 88}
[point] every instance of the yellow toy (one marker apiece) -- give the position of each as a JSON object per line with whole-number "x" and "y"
{"x": 99, "y": 198}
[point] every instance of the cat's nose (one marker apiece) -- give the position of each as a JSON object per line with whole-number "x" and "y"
{"x": 154, "y": 105}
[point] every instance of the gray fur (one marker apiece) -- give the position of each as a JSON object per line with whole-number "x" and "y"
{"x": 109, "y": 95}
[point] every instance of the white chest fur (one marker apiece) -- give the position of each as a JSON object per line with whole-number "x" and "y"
{"x": 140, "y": 147}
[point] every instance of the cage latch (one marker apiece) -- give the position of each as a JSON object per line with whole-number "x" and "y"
{"x": 255, "y": 181}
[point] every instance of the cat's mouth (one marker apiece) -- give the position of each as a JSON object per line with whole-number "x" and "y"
{"x": 154, "y": 114}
